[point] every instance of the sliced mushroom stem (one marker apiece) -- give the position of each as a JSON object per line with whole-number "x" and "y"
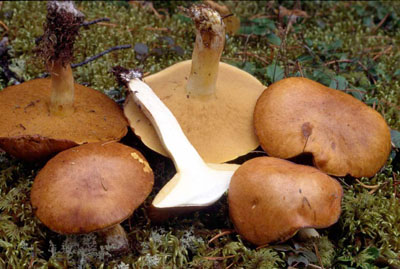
{"x": 196, "y": 183}
{"x": 307, "y": 233}
{"x": 62, "y": 90}
{"x": 167, "y": 127}
{"x": 115, "y": 238}
{"x": 210, "y": 40}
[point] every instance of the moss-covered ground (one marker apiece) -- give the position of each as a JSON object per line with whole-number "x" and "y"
{"x": 351, "y": 46}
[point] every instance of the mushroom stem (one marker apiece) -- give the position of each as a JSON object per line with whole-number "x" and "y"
{"x": 62, "y": 90}
{"x": 56, "y": 48}
{"x": 115, "y": 238}
{"x": 210, "y": 40}
{"x": 196, "y": 183}
{"x": 307, "y": 233}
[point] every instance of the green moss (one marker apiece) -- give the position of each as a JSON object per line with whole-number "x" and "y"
{"x": 372, "y": 219}
{"x": 369, "y": 223}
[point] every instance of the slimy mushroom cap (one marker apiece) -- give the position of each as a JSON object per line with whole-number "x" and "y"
{"x": 30, "y": 132}
{"x": 345, "y": 136}
{"x": 91, "y": 187}
{"x": 270, "y": 199}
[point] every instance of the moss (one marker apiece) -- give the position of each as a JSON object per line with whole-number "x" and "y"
{"x": 334, "y": 31}
{"x": 372, "y": 219}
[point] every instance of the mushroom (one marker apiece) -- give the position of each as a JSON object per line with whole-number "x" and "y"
{"x": 92, "y": 188}
{"x": 44, "y": 116}
{"x": 270, "y": 199}
{"x": 232, "y": 23}
{"x": 195, "y": 184}
{"x": 345, "y": 136}
{"x": 212, "y": 101}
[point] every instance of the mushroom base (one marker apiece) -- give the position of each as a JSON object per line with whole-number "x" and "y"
{"x": 307, "y": 233}
{"x": 116, "y": 239}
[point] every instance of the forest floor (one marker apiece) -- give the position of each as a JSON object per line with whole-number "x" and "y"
{"x": 350, "y": 46}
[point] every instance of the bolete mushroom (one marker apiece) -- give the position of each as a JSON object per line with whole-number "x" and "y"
{"x": 345, "y": 136}
{"x": 212, "y": 101}
{"x": 44, "y": 116}
{"x": 92, "y": 188}
{"x": 270, "y": 199}
{"x": 195, "y": 184}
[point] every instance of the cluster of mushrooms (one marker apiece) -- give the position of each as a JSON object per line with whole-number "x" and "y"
{"x": 201, "y": 113}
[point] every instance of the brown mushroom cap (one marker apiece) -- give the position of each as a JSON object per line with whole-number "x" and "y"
{"x": 345, "y": 136}
{"x": 91, "y": 187}
{"x": 271, "y": 199}
{"x": 30, "y": 132}
{"x": 219, "y": 126}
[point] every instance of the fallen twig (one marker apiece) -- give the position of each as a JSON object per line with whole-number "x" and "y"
{"x": 338, "y": 61}
{"x": 262, "y": 246}
{"x": 92, "y": 58}
{"x": 248, "y": 53}
{"x": 380, "y": 23}
{"x": 382, "y": 52}
{"x": 101, "y": 54}
{"x": 300, "y": 69}
{"x": 230, "y": 265}
{"x": 314, "y": 266}
{"x": 162, "y": 29}
{"x": 219, "y": 258}
{"x": 374, "y": 190}
{"x": 87, "y": 23}
{"x": 318, "y": 255}
{"x": 219, "y": 235}
{"x": 4, "y": 26}
{"x": 367, "y": 186}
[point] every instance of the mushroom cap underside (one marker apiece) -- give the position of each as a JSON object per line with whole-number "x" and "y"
{"x": 91, "y": 187}
{"x": 219, "y": 126}
{"x": 29, "y": 131}
{"x": 270, "y": 199}
{"x": 345, "y": 136}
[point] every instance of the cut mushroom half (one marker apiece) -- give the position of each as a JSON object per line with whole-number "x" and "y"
{"x": 212, "y": 101}
{"x": 196, "y": 184}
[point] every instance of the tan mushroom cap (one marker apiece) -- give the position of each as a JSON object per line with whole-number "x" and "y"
{"x": 30, "y": 132}
{"x": 345, "y": 136}
{"x": 270, "y": 199}
{"x": 91, "y": 187}
{"x": 220, "y": 126}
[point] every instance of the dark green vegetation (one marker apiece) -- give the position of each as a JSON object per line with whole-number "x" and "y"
{"x": 351, "y": 46}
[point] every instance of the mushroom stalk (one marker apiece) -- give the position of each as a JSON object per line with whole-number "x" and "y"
{"x": 196, "y": 183}
{"x": 56, "y": 48}
{"x": 116, "y": 238}
{"x": 210, "y": 40}
{"x": 307, "y": 233}
{"x": 62, "y": 90}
